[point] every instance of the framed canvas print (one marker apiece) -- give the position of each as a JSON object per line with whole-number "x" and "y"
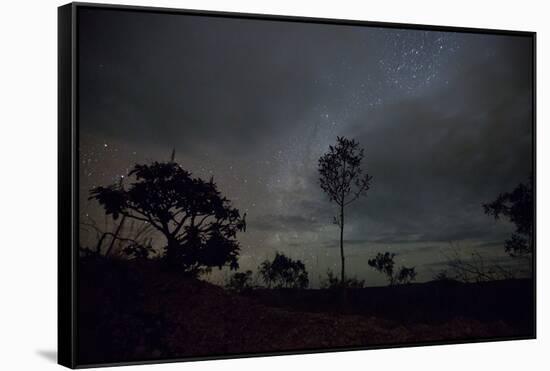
{"x": 235, "y": 185}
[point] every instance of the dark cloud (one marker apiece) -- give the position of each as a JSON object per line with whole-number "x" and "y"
{"x": 434, "y": 164}
{"x": 186, "y": 81}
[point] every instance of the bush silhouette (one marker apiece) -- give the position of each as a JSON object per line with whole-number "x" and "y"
{"x": 405, "y": 275}
{"x": 384, "y": 263}
{"x": 283, "y": 272}
{"x": 240, "y": 281}
{"x": 517, "y": 207}
{"x": 332, "y": 282}
{"x": 197, "y": 222}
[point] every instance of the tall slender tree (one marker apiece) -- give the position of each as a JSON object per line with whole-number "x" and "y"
{"x": 342, "y": 179}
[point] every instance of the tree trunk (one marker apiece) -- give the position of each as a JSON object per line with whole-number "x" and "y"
{"x": 343, "y": 271}
{"x": 171, "y": 251}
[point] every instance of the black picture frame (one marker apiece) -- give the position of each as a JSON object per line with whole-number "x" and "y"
{"x": 68, "y": 166}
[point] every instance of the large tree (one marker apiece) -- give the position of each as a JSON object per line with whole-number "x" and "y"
{"x": 517, "y": 207}
{"x": 342, "y": 179}
{"x": 197, "y": 222}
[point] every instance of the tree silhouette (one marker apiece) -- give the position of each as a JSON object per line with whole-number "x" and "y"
{"x": 384, "y": 263}
{"x": 240, "y": 281}
{"x": 517, "y": 207}
{"x": 198, "y": 223}
{"x": 283, "y": 272}
{"x": 342, "y": 179}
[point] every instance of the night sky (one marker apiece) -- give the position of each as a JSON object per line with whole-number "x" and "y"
{"x": 444, "y": 118}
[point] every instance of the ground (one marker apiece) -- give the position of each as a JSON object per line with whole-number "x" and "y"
{"x": 140, "y": 311}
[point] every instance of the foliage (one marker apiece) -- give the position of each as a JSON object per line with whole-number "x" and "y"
{"x": 333, "y": 282}
{"x": 138, "y": 251}
{"x": 384, "y": 263}
{"x": 283, "y": 272}
{"x": 405, "y": 275}
{"x": 342, "y": 179}
{"x": 517, "y": 207}
{"x": 197, "y": 222}
{"x": 240, "y": 281}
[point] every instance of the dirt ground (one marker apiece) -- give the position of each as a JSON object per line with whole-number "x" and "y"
{"x": 134, "y": 312}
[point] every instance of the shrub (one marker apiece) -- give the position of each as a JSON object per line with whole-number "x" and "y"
{"x": 283, "y": 272}
{"x": 240, "y": 281}
{"x": 384, "y": 263}
{"x": 332, "y": 282}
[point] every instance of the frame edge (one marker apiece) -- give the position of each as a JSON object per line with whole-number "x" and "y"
{"x": 66, "y": 339}
{"x": 67, "y": 150}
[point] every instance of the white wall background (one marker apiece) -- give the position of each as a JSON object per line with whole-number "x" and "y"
{"x": 28, "y": 152}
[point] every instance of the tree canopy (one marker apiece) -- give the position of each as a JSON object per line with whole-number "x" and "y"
{"x": 517, "y": 207}
{"x": 198, "y": 223}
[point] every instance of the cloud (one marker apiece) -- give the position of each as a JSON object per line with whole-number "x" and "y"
{"x": 197, "y": 80}
{"x": 434, "y": 164}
